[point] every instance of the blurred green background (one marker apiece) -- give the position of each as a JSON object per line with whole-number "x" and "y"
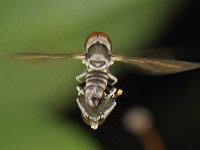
{"x": 29, "y": 92}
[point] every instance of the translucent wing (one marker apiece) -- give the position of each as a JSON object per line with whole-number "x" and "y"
{"x": 43, "y": 56}
{"x": 151, "y": 66}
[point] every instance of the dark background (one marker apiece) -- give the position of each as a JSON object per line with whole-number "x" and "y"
{"x": 173, "y": 99}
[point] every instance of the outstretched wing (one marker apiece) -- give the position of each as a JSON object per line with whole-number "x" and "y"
{"x": 43, "y": 56}
{"x": 151, "y": 66}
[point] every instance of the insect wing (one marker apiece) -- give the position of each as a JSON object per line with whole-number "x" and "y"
{"x": 151, "y": 66}
{"x": 43, "y": 56}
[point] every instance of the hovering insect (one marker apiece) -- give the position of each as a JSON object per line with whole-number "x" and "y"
{"x": 96, "y": 91}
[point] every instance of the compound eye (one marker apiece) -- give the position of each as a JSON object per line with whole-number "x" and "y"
{"x": 85, "y": 119}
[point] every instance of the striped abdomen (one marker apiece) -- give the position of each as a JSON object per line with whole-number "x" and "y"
{"x": 96, "y": 82}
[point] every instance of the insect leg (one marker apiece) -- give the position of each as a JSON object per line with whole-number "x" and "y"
{"x": 113, "y": 91}
{"x": 80, "y": 76}
{"x": 80, "y": 88}
{"x": 112, "y": 78}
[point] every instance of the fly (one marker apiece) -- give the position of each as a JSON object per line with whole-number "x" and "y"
{"x": 96, "y": 85}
